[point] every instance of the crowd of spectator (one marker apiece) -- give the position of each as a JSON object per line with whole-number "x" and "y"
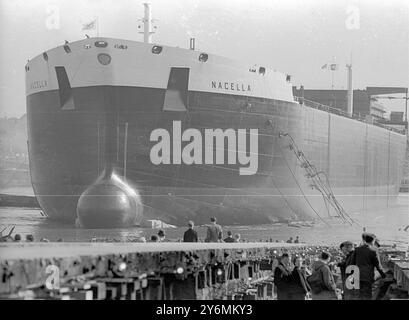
{"x": 322, "y": 273}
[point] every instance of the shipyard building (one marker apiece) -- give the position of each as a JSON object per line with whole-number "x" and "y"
{"x": 367, "y": 103}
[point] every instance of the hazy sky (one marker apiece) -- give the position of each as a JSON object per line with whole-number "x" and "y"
{"x": 296, "y": 37}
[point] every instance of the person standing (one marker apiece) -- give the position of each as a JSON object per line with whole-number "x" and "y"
{"x": 190, "y": 234}
{"x": 282, "y": 278}
{"x": 237, "y": 237}
{"x": 365, "y": 258}
{"x": 229, "y": 237}
{"x": 347, "y": 248}
{"x": 214, "y": 231}
{"x": 299, "y": 286}
{"x": 378, "y": 283}
{"x": 161, "y": 235}
{"x": 322, "y": 281}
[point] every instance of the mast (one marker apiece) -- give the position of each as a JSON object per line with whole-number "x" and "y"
{"x": 350, "y": 94}
{"x": 147, "y": 23}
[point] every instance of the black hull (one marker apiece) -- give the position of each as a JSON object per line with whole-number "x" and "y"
{"x": 69, "y": 149}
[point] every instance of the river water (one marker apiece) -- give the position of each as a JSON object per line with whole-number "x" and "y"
{"x": 388, "y": 224}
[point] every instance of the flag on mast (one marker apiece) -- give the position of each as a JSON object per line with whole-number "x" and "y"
{"x": 333, "y": 66}
{"x": 90, "y": 25}
{"x": 330, "y": 66}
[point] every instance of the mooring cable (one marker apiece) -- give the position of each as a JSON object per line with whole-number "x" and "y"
{"x": 302, "y": 192}
{"x": 314, "y": 174}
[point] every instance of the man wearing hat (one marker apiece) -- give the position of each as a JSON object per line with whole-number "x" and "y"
{"x": 365, "y": 258}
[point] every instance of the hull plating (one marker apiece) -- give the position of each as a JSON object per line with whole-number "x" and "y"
{"x": 111, "y": 126}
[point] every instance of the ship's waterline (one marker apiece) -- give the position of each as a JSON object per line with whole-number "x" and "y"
{"x": 28, "y": 221}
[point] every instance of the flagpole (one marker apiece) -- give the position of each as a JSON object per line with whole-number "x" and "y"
{"x": 332, "y": 79}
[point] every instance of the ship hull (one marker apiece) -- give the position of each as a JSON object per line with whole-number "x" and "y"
{"x": 111, "y": 126}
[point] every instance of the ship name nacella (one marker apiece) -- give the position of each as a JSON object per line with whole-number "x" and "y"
{"x": 190, "y": 147}
{"x": 230, "y": 86}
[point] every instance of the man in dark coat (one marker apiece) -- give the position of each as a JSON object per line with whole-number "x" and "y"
{"x": 190, "y": 234}
{"x": 329, "y": 290}
{"x": 229, "y": 237}
{"x": 365, "y": 258}
{"x": 282, "y": 278}
{"x": 347, "y": 248}
{"x": 299, "y": 286}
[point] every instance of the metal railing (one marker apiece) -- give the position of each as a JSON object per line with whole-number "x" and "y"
{"x": 359, "y": 117}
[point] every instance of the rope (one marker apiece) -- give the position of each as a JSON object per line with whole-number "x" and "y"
{"x": 302, "y": 192}
{"x": 314, "y": 174}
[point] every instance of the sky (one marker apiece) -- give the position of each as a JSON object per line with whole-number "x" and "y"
{"x": 293, "y": 36}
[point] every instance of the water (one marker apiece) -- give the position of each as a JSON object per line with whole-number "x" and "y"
{"x": 387, "y": 224}
{"x": 18, "y": 191}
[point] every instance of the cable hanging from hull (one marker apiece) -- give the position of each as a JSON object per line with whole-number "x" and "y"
{"x": 320, "y": 180}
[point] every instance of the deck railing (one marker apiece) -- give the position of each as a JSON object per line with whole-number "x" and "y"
{"x": 359, "y": 117}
